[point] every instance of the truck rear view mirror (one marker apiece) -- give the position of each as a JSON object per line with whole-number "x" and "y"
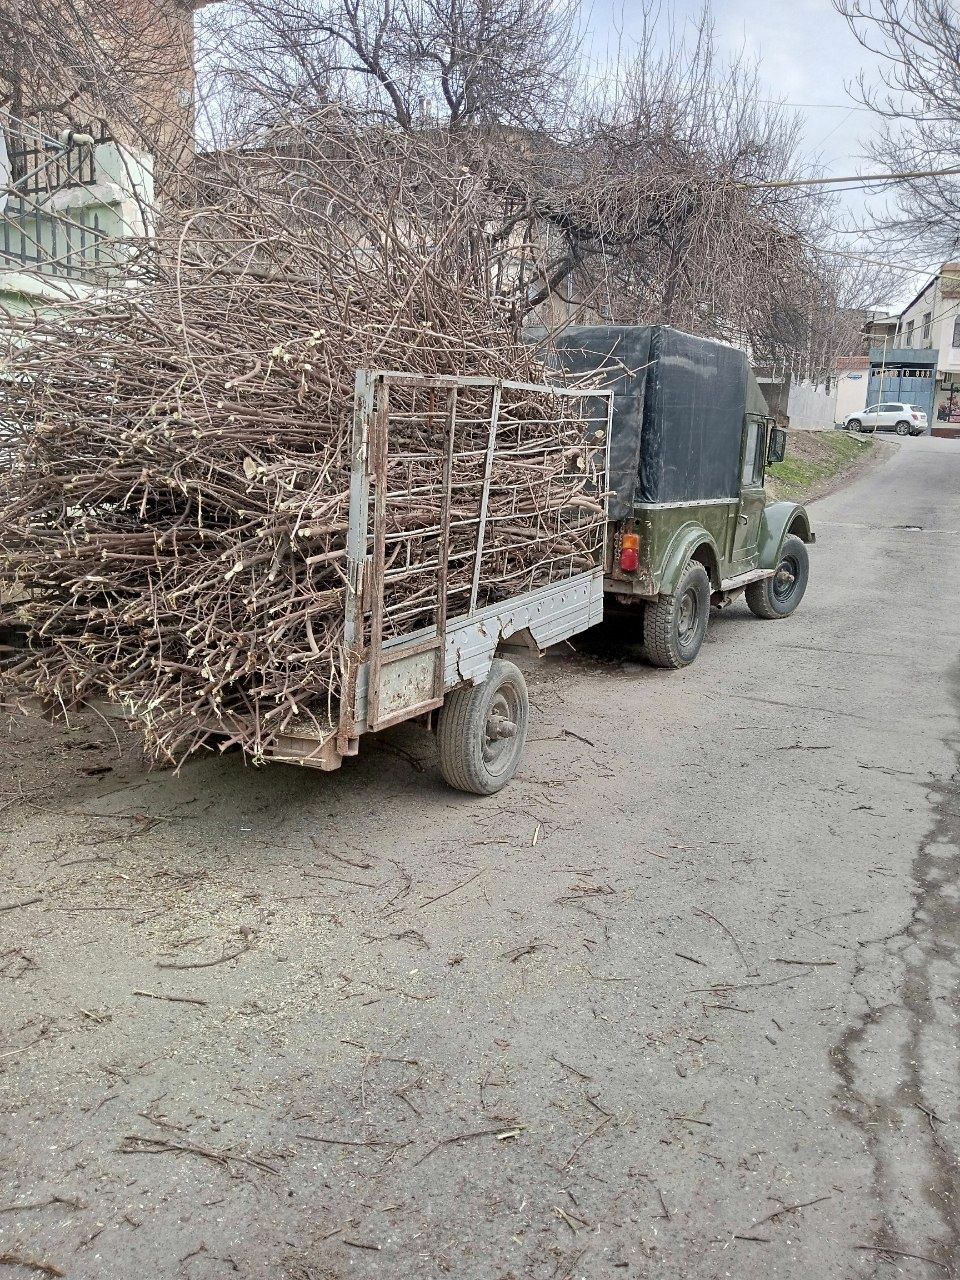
{"x": 777, "y": 448}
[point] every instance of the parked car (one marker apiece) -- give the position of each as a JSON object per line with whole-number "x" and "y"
{"x": 892, "y": 415}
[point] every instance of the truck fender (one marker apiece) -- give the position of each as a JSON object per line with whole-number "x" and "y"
{"x": 778, "y": 520}
{"x": 690, "y": 541}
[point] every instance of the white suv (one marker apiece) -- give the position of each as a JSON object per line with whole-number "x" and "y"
{"x": 904, "y": 419}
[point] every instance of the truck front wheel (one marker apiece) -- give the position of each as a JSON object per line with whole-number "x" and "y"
{"x": 482, "y": 730}
{"x": 777, "y": 597}
{"x": 674, "y": 626}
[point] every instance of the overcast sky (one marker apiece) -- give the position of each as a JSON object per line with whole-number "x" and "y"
{"x": 808, "y": 56}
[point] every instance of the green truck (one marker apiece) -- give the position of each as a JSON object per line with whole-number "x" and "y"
{"x": 691, "y": 524}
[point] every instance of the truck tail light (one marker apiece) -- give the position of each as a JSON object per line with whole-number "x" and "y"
{"x": 630, "y": 552}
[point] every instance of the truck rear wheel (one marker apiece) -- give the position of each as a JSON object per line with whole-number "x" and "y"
{"x": 674, "y": 627}
{"x": 482, "y": 730}
{"x": 777, "y": 597}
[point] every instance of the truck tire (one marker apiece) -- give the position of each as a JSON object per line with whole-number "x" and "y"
{"x": 674, "y": 626}
{"x": 777, "y": 597}
{"x": 482, "y": 730}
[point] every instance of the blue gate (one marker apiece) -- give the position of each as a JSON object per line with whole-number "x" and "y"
{"x": 909, "y": 384}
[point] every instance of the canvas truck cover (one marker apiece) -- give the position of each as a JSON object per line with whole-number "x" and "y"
{"x": 678, "y": 411}
{"x": 621, "y": 354}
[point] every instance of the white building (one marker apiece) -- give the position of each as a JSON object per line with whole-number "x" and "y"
{"x": 930, "y": 325}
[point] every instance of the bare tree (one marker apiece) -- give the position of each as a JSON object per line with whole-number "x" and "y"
{"x": 410, "y": 62}
{"x": 918, "y": 107}
{"x": 646, "y": 199}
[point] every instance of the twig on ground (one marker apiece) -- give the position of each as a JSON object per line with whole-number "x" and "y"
{"x": 465, "y": 1137}
{"x": 902, "y": 1253}
{"x": 566, "y": 1065}
{"x": 156, "y": 995}
{"x": 32, "y": 1264}
{"x": 580, "y": 1145}
{"x": 789, "y": 1208}
{"x": 42, "y": 1204}
{"x": 346, "y": 1142}
{"x": 135, "y": 1144}
{"x": 739, "y": 950}
{"x": 447, "y": 892}
{"x": 208, "y": 964}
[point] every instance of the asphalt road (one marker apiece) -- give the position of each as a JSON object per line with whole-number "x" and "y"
{"x": 681, "y": 1002}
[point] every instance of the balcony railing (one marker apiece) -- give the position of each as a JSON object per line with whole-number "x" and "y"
{"x": 37, "y": 167}
{"x": 39, "y": 236}
{"x": 67, "y": 243}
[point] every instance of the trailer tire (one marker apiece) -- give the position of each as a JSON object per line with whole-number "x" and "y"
{"x": 482, "y": 730}
{"x": 674, "y": 626}
{"x": 777, "y": 597}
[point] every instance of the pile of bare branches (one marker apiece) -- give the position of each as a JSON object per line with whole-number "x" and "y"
{"x": 177, "y": 447}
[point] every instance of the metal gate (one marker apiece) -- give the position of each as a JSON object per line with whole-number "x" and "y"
{"x": 909, "y": 385}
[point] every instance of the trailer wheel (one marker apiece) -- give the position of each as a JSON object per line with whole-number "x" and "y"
{"x": 674, "y": 627}
{"x": 777, "y": 597}
{"x": 482, "y": 731}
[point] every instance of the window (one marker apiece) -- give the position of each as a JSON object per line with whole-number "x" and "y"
{"x": 752, "y": 472}
{"x": 909, "y": 341}
{"x": 956, "y": 333}
{"x": 927, "y": 317}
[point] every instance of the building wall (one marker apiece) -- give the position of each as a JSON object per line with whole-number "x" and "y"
{"x": 920, "y": 322}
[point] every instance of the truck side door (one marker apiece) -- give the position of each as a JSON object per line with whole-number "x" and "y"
{"x": 753, "y": 498}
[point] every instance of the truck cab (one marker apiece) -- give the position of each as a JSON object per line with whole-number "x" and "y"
{"x": 691, "y": 524}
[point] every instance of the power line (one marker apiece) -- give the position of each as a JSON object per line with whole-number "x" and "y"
{"x": 873, "y": 262}
{"x": 814, "y": 106}
{"x": 858, "y": 178}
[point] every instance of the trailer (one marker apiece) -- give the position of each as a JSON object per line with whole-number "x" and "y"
{"x": 414, "y": 646}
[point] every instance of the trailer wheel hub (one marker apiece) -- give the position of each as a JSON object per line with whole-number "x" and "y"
{"x": 500, "y": 728}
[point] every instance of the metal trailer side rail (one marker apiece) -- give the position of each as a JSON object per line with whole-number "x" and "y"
{"x": 406, "y": 677}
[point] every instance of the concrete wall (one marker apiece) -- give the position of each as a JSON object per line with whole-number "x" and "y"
{"x": 851, "y": 394}
{"x": 810, "y": 405}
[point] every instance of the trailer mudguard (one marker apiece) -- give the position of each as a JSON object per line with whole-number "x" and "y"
{"x": 778, "y": 520}
{"x": 691, "y": 540}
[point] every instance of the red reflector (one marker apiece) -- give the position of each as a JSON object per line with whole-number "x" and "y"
{"x": 630, "y": 552}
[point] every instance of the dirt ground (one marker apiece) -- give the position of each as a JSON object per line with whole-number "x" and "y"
{"x": 680, "y": 1002}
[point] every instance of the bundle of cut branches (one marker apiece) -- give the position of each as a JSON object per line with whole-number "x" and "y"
{"x": 174, "y": 493}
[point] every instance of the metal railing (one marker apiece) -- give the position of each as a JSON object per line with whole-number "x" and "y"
{"x": 66, "y": 243}
{"x": 37, "y": 238}
{"x": 38, "y": 167}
